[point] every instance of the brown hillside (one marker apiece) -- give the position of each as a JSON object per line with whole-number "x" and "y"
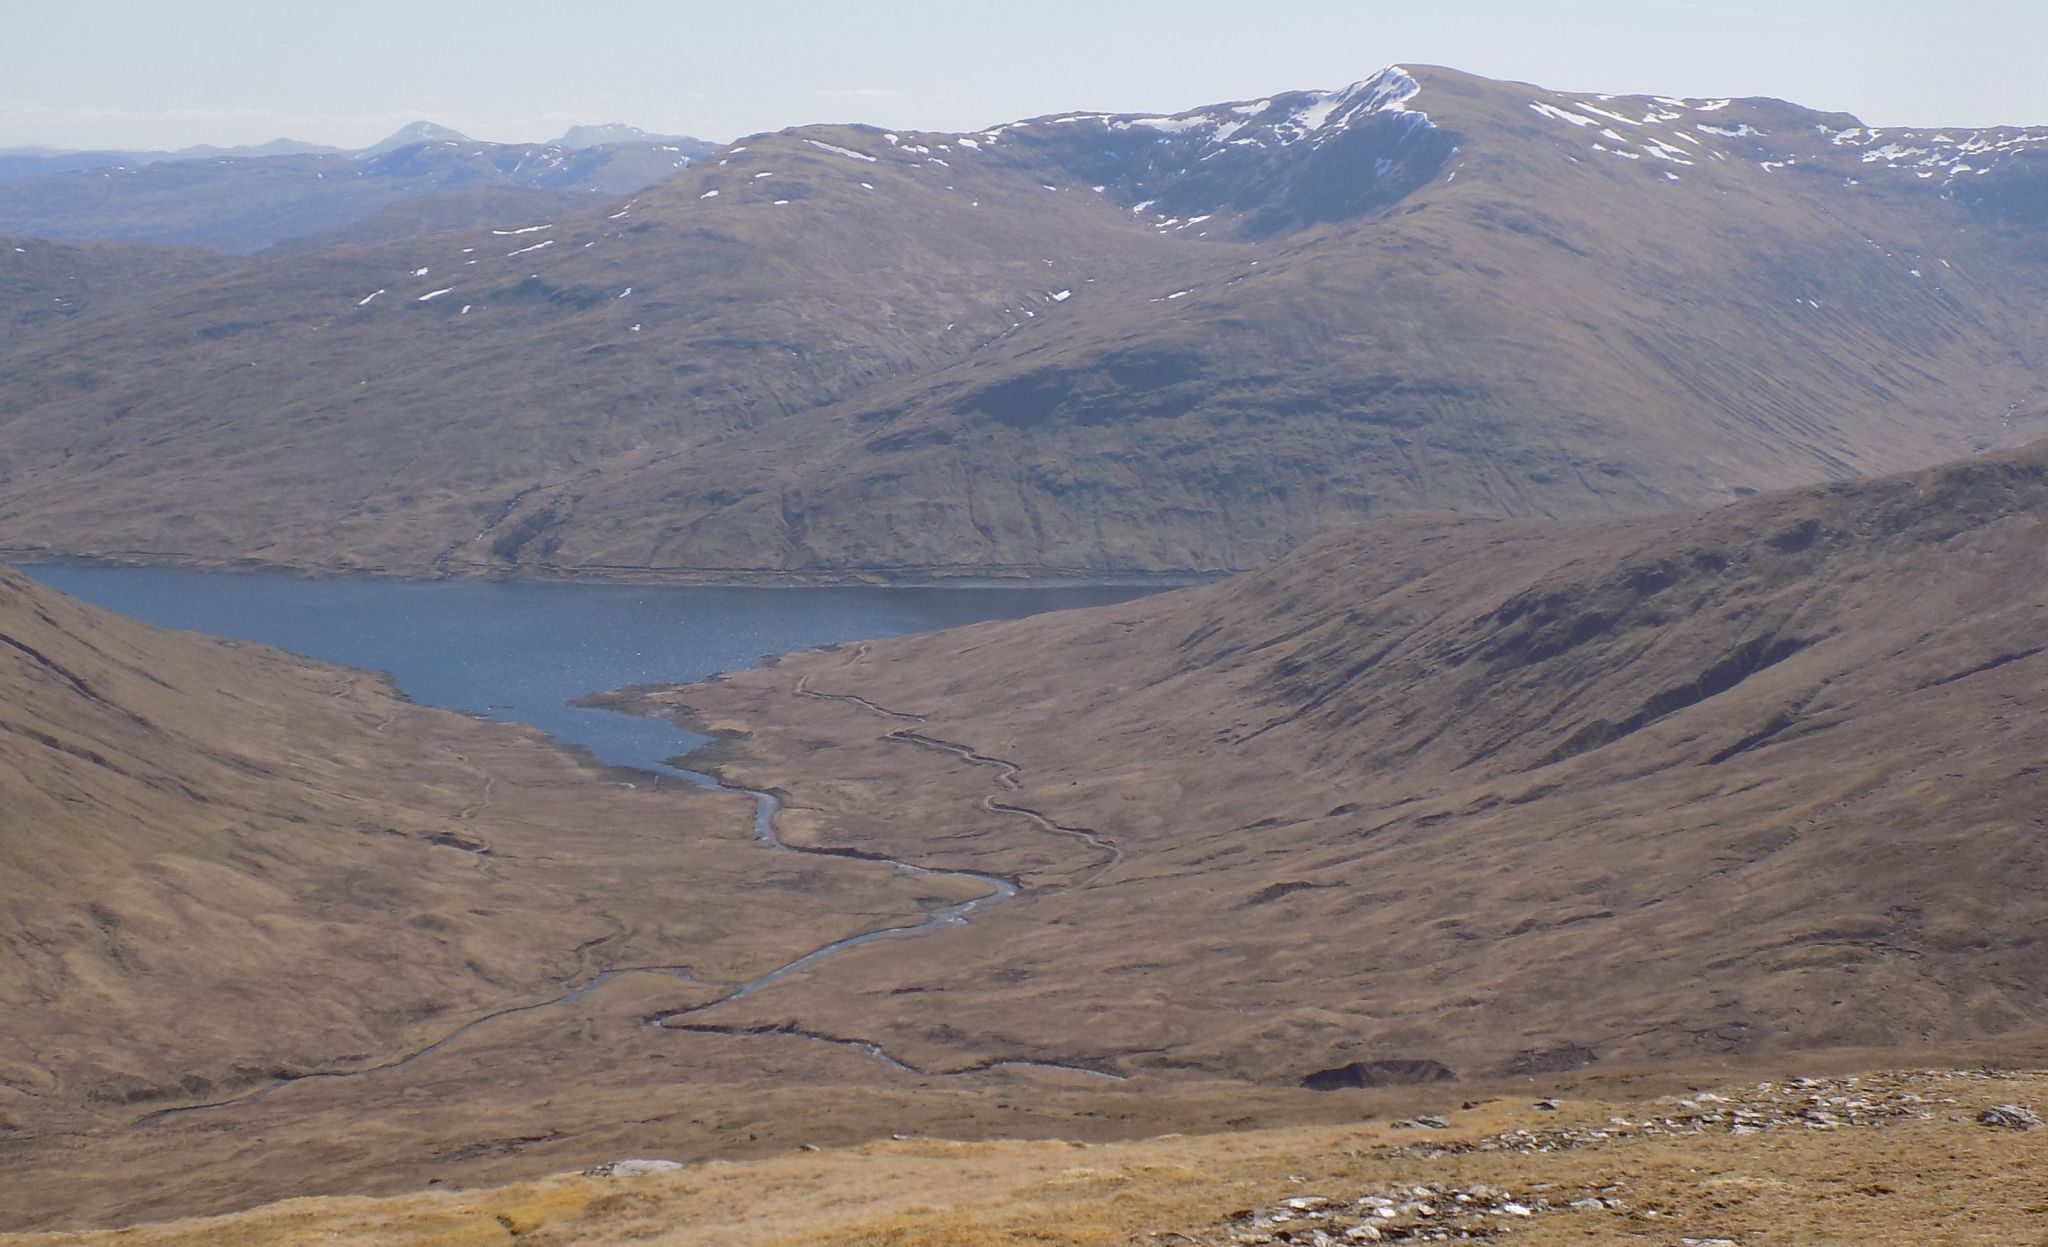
{"x": 1502, "y": 796}
{"x": 223, "y": 868}
{"x": 1432, "y": 799}
{"x": 43, "y": 283}
{"x": 477, "y": 208}
{"x": 1086, "y": 343}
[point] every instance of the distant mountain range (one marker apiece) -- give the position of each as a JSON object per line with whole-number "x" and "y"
{"x": 580, "y": 137}
{"x": 1081, "y": 344}
{"x": 19, "y": 162}
{"x": 247, "y": 198}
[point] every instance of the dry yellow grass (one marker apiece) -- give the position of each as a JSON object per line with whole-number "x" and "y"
{"x": 1939, "y": 1178}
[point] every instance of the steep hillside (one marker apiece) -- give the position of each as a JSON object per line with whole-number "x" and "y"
{"x": 225, "y": 868}
{"x": 1081, "y": 343}
{"x": 521, "y": 341}
{"x": 1499, "y": 796}
{"x": 241, "y": 204}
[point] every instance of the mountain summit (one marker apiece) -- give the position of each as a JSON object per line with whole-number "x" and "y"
{"x": 417, "y": 132}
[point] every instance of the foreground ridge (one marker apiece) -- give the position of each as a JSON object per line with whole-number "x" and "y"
{"x": 1721, "y": 1161}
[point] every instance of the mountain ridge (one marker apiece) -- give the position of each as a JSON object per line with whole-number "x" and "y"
{"x": 244, "y": 200}
{"x": 849, "y": 352}
{"x": 34, "y": 159}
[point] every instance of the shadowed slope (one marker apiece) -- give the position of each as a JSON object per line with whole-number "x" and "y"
{"x": 1499, "y": 795}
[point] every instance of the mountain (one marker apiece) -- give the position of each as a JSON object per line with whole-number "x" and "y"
{"x": 25, "y": 162}
{"x": 1079, "y": 344}
{"x": 1496, "y": 797}
{"x": 241, "y": 200}
{"x": 615, "y": 133}
{"x": 413, "y": 135}
{"x": 28, "y": 162}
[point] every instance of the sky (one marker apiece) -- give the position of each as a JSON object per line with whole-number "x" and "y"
{"x": 147, "y": 74}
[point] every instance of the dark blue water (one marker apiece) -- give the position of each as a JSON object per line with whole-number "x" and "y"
{"x": 523, "y": 651}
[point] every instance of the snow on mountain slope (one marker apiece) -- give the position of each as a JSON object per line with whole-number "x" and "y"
{"x": 1086, "y": 342}
{"x": 1774, "y": 136}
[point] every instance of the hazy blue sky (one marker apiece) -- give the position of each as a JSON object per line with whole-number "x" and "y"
{"x": 157, "y": 73}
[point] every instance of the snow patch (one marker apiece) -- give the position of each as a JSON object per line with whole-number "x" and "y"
{"x": 847, "y": 152}
{"x": 1559, "y": 114}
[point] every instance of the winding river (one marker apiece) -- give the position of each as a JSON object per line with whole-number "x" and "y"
{"x": 526, "y": 651}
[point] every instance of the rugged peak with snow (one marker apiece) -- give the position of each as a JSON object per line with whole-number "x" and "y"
{"x": 1278, "y": 120}
{"x": 1257, "y": 168}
